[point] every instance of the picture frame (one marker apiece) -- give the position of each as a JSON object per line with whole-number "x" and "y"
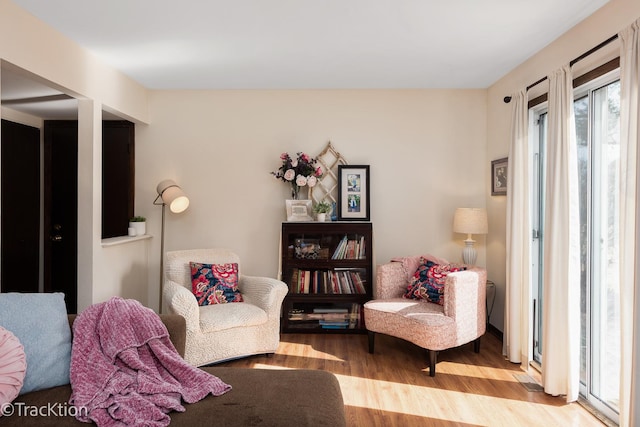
{"x": 499, "y": 184}
{"x": 298, "y": 210}
{"x": 353, "y": 193}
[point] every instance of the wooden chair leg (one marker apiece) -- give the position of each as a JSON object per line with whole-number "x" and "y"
{"x": 432, "y": 362}
{"x": 371, "y": 336}
{"x": 476, "y": 345}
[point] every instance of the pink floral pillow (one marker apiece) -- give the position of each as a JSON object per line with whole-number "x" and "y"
{"x": 13, "y": 367}
{"x": 215, "y": 283}
{"x": 428, "y": 280}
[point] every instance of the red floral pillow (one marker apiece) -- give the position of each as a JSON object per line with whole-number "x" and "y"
{"x": 215, "y": 283}
{"x": 427, "y": 282}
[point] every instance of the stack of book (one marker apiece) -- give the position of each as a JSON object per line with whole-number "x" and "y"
{"x": 329, "y": 317}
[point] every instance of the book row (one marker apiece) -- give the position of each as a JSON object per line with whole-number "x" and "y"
{"x": 338, "y": 281}
{"x": 350, "y": 248}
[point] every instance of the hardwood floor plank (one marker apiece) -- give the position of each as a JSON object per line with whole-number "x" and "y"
{"x": 393, "y": 388}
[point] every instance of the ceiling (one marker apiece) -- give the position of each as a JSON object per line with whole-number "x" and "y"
{"x": 310, "y": 44}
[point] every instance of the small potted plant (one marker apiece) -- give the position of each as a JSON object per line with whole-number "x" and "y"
{"x": 140, "y": 224}
{"x": 322, "y": 209}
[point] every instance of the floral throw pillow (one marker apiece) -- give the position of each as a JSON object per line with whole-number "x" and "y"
{"x": 427, "y": 282}
{"x": 215, "y": 283}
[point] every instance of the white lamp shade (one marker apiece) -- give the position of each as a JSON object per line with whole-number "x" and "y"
{"x": 471, "y": 221}
{"x": 173, "y": 196}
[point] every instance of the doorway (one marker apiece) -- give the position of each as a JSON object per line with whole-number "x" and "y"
{"x": 20, "y": 208}
{"x": 61, "y": 209}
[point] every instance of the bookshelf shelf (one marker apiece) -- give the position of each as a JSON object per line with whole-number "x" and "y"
{"x": 328, "y": 268}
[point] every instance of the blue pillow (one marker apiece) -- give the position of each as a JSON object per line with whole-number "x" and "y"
{"x": 40, "y": 322}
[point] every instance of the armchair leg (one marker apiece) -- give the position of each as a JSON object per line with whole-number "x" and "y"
{"x": 372, "y": 336}
{"x": 433, "y": 355}
{"x": 476, "y": 345}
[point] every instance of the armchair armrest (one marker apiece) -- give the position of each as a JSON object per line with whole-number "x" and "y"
{"x": 465, "y": 301}
{"x": 181, "y": 301}
{"x": 391, "y": 281}
{"x": 264, "y": 292}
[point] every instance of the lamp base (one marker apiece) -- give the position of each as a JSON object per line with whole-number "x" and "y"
{"x": 469, "y": 253}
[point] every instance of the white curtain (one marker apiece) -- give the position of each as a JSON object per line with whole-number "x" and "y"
{"x": 561, "y": 289}
{"x": 629, "y": 239}
{"x": 518, "y": 291}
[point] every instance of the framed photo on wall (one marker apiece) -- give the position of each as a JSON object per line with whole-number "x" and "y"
{"x": 499, "y": 182}
{"x": 353, "y": 193}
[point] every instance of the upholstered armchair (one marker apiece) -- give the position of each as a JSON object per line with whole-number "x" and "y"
{"x": 460, "y": 320}
{"x": 221, "y": 332}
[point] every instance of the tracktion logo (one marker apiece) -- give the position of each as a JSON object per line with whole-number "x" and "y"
{"x": 21, "y": 409}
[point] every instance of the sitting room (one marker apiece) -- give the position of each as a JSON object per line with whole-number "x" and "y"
{"x": 147, "y": 144}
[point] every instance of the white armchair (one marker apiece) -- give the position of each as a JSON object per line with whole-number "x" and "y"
{"x": 224, "y": 331}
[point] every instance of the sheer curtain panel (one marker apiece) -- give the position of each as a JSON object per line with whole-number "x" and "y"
{"x": 561, "y": 289}
{"x": 629, "y": 223}
{"x": 517, "y": 339}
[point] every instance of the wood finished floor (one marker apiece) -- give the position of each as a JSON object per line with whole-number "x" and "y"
{"x": 393, "y": 388}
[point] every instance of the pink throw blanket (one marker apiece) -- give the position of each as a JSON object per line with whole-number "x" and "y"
{"x": 125, "y": 370}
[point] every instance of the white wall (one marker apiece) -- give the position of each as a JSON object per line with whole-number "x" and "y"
{"x": 29, "y": 46}
{"x": 604, "y": 23}
{"x": 426, "y": 149}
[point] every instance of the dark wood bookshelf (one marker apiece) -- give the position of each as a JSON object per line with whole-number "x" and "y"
{"x": 326, "y": 293}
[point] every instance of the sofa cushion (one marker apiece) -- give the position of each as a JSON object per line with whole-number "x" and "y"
{"x": 44, "y": 333}
{"x": 260, "y": 397}
{"x": 13, "y": 366}
{"x": 428, "y": 281}
{"x": 215, "y": 283}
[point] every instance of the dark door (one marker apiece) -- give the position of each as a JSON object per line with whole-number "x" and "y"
{"x": 61, "y": 209}
{"x": 20, "y": 208}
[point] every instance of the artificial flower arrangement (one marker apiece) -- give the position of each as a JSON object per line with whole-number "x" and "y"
{"x": 298, "y": 171}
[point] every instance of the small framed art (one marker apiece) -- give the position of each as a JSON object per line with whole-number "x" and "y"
{"x": 499, "y": 177}
{"x": 353, "y": 193}
{"x": 298, "y": 210}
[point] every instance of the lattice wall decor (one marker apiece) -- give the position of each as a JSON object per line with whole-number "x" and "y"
{"x": 327, "y": 187}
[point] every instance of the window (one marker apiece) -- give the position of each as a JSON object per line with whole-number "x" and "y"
{"x": 598, "y": 136}
{"x": 118, "y": 162}
{"x": 597, "y": 118}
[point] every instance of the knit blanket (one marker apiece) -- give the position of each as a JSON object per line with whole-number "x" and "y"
{"x": 126, "y": 372}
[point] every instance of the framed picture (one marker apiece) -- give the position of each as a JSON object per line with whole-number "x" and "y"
{"x": 499, "y": 177}
{"x": 298, "y": 210}
{"x": 353, "y": 193}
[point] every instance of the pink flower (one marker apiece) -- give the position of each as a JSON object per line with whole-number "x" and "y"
{"x": 284, "y": 156}
{"x": 305, "y": 157}
{"x": 301, "y": 180}
{"x": 312, "y": 181}
{"x": 318, "y": 171}
{"x": 289, "y": 175}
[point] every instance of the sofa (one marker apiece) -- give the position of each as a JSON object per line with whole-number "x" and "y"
{"x": 459, "y": 318}
{"x": 259, "y": 397}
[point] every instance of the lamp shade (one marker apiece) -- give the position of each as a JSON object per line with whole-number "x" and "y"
{"x": 172, "y": 196}
{"x": 471, "y": 221}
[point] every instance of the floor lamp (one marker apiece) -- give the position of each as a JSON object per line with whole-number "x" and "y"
{"x": 470, "y": 221}
{"x": 169, "y": 193}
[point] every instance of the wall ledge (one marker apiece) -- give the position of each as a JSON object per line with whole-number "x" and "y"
{"x": 121, "y": 240}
